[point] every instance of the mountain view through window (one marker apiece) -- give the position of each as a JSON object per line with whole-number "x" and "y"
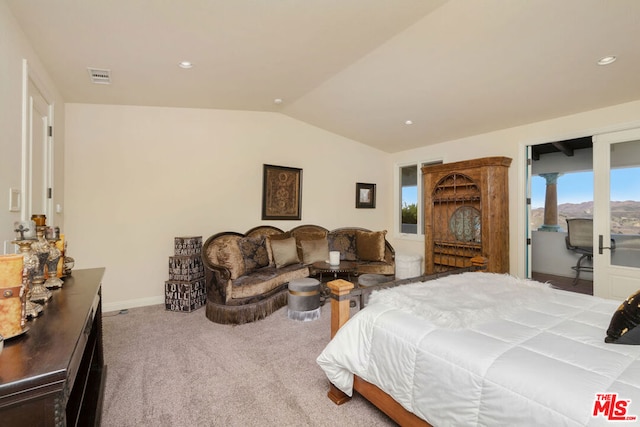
{"x": 575, "y": 199}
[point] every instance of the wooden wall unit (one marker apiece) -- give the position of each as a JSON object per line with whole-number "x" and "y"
{"x": 466, "y": 214}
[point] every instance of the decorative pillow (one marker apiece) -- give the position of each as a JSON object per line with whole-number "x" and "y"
{"x": 302, "y": 235}
{"x": 370, "y": 245}
{"x": 228, "y": 255}
{"x": 622, "y": 329}
{"x": 254, "y": 252}
{"x": 345, "y": 242}
{"x": 270, "y": 238}
{"x": 284, "y": 252}
{"x": 314, "y": 250}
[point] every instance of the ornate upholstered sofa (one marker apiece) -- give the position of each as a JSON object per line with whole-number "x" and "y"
{"x": 247, "y": 274}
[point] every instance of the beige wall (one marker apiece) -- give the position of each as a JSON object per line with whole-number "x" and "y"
{"x": 14, "y": 49}
{"x": 511, "y": 143}
{"x": 137, "y": 177}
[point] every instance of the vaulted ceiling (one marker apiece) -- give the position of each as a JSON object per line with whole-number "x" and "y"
{"x": 358, "y": 68}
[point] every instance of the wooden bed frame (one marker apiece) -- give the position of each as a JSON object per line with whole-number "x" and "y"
{"x": 341, "y": 293}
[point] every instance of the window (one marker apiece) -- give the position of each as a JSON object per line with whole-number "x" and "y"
{"x": 410, "y": 178}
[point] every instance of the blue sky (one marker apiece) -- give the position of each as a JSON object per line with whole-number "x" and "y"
{"x": 572, "y": 188}
{"x": 578, "y": 187}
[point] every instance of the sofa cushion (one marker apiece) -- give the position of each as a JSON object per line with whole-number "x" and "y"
{"x": 344, "y": 241}
{"x": 284, "y": 252}
{"x": 370, "y": 245}
{"x": 254, "y": 252}
{"x": 314, "y": 250}
{"x": 262, "y": 281}
{"x": 375, "y": 267}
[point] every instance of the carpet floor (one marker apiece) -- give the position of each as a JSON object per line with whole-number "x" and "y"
{"x": 167, "y": 368}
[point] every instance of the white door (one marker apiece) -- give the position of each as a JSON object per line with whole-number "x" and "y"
{"x": 528, "y": 262}
{"x": 616, "y": 170}
{"x": 38, "y": 158}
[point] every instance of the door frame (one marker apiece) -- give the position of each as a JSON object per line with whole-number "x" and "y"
{"x": 523, "y": 249}
{"x": 627, "y": 279}
{"x": 29, "y": 76}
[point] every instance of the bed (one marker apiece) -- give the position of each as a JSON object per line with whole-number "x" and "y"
{"x": 482, "y": 349}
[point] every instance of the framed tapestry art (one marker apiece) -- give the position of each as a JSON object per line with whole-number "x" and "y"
{"x": 281, "y": 193}
{"x": 365, "y": 195}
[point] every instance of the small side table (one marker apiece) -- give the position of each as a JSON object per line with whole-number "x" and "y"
{"x": 322, "y": 267}
{"x": 345, "y": 267}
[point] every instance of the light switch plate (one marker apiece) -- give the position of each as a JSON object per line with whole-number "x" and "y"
{"x": 9, "y": 248}
{"x": 14, "y": 200}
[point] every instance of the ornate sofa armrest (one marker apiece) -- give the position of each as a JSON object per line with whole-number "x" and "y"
{"x": 217, "y": 280}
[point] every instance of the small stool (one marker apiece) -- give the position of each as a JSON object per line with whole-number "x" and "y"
{"x": 304, "y": 299}
{"x": 365, "y": 280}
{"x": 408, "y": 265}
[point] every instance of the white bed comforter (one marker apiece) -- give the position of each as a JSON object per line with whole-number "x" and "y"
{"x": 493, "y": 351}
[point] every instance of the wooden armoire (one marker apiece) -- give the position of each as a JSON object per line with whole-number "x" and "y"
{"x": 466, "y": 214}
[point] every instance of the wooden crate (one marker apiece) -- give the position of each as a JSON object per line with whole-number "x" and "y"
{"x": 185, "y": 268}
{"x": 186, "y": 296}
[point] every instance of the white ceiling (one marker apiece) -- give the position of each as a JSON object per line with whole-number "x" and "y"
{"x": 359, "y": 68}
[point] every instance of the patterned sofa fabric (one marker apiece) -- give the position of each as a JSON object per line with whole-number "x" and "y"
{"x": 241, "y": 270}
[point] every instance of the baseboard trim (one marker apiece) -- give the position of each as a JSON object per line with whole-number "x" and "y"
{"x": 132, "y": 303}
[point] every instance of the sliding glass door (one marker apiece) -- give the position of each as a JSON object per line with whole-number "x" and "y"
{"x": 616, "y": 216}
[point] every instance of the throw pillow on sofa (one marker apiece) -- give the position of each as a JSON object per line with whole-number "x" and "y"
{"x": 302, "y": 235}
{"x": 314, "y": 250}
{"x": 254, "y": 252}
{"x": 284, "y": 252}
{"x": 344, "y": 241}
{"x": 370, "y": 245}
{"x": 269, "y": 239}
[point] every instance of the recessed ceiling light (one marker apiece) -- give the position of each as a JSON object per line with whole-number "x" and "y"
{"x": 408, "y": 122}
{"x": 606, "y": 60}
{"x": 185, "y": 64}
{"x": 277, "y": 101}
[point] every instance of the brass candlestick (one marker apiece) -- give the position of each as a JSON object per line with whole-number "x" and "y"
{"x": 40, "y": 248}
{"x": 32, "y": 309}
{"x": 53, "y": 281}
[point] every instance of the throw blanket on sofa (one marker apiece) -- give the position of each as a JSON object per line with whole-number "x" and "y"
{"x": 538, "y": 361}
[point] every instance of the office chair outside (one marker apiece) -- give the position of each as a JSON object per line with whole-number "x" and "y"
{"x": 579, "y": 239}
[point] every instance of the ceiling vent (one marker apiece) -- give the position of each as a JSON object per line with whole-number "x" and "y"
{"x": 100, "y": 76}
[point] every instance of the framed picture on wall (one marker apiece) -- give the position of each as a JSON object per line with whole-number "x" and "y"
{"x": 365, "y": 195}
{"x": 281, "y": 193}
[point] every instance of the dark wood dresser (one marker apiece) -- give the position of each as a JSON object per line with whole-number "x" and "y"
{"x": 53, "y": 375}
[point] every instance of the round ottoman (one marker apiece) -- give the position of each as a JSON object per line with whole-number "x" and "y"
{"x": 408, "y": 265}
{"x": 304, "y": 299}
{"x": 365, "y": 280}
